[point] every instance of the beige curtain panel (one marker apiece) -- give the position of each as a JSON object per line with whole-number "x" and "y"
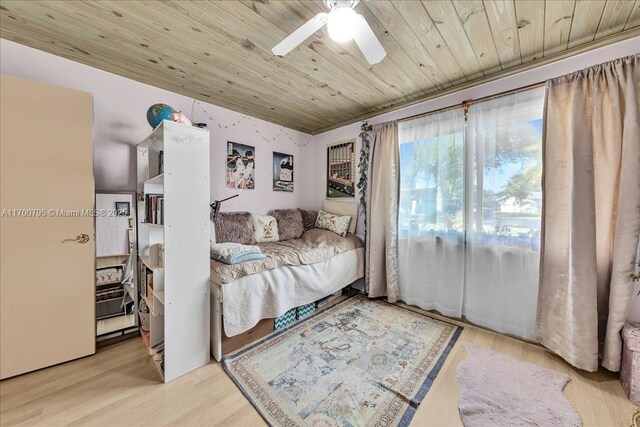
{"x": 591, "y": 218}
{"x": 381, "y": 277}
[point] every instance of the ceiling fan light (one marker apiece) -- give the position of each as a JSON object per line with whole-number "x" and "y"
{"x": 342, "y": 23}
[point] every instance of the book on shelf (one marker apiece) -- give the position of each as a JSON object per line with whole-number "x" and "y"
{"x": 154, "y": 209}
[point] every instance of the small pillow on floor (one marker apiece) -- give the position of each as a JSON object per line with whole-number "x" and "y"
{"x": 266, "y": 228}
{"x": 289, "y": 223}
{"x": 339, "y": 224}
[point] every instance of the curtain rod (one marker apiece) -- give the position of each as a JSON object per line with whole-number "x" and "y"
{"x": 465, "y": 104}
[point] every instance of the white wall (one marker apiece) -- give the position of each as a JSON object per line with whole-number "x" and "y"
{"x": 597, "y": 56}
{"x": 120, "y": 107}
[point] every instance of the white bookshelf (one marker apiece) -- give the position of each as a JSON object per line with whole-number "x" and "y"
{"x": 179, "y": 300}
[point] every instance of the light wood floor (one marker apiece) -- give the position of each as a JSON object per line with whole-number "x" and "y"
{"x": 119, "y": 386}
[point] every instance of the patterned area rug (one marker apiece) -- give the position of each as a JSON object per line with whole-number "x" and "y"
{"x": 360, "y": 363}
{"x": 498, "y": 390}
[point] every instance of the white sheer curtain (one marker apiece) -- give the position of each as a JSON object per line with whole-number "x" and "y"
{"x": 430, "y": 221}
{"x": 503, "y": 231}
{"x": 470, "y": 202}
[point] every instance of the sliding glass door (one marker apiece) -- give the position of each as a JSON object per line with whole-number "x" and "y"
{"x": 469, "y": 219}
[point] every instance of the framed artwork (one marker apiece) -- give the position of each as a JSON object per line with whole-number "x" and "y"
{"x": 241, "y": 166}
{"x": 123, "y": 208}
{"x": 282, "y": 172}
{"x": 341, "y": 169}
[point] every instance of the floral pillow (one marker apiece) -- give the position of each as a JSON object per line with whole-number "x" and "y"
{"x": 339, "y": 224}
{"x": 266, "y": 228}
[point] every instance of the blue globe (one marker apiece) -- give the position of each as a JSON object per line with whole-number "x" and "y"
{"x": 157, "y": 113}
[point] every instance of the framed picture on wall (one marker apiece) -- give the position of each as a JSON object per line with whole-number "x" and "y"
{"x": 282, "y": 172}
{"x": 241, "y": 166}
{"x": 123, "y": 208}
{"x": 341, "y": 169}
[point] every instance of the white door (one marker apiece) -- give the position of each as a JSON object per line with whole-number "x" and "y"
{"x": 47, "y": 287}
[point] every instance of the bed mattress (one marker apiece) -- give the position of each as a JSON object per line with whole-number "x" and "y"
{"x": 271, "y": 292}
{"x": 315, "y": 245}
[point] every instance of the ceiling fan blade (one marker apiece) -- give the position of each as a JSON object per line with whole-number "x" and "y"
{"x": 300, "y": 35}
{"x": 368, "y": 42}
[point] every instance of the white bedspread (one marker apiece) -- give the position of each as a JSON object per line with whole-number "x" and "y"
{"x": 271, "y": 293}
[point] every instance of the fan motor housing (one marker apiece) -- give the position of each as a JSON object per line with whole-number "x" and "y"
{"x": 332, "y": 4}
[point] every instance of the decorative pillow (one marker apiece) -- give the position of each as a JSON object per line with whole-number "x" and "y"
{"x": 289, "y": 223}
{"x": 339, "y": 224}
{"x": 266, "y": 228}
{"x": 108, "y": 275}
{"x": 212, "y": 233}
{"x": 234, "y": 227}
{"x": 308, "y": 219}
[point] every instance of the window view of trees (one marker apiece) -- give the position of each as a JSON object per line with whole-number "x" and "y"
{"x": 511, "y": 200}
{"x": 505, "y": 185}
{"x": 432, "y": 185}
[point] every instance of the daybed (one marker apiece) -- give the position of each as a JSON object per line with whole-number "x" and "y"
{"x": 294, "y": 273}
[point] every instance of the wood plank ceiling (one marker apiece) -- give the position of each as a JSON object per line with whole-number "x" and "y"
{"x": 220, "y": 52}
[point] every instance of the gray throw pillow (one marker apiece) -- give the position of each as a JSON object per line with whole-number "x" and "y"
{"x": 289, "y": 223}
{"x": 236, "y": 227}
{"x": 308, "y": 219}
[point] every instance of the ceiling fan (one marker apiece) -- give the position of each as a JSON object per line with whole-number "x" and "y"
{"x": 343, "y": 24}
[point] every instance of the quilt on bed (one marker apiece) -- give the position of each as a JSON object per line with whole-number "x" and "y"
{"x": 315, "y": 245}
